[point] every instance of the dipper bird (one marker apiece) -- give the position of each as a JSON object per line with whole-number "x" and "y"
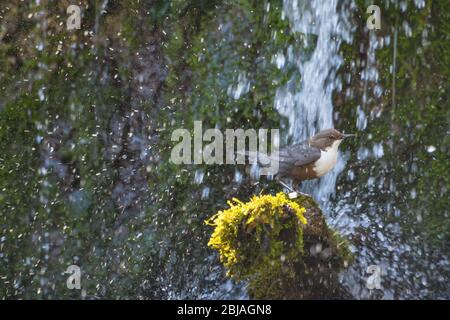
{"x": 309, "y": 159}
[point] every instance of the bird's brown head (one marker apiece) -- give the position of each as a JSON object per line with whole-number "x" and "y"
{"x": 328, "y": 138}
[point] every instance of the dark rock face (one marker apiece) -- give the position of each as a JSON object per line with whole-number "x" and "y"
{"x": 131, "y": 146}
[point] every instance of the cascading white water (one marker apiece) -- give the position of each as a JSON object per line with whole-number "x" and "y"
{"x": 309, "y": 106}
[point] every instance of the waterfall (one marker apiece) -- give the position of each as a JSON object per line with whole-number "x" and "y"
{"x": 308, "y": 106}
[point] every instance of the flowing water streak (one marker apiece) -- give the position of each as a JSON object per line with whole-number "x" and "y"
{"x": 309, "y": 106}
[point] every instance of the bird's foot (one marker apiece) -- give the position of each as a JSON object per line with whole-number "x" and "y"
{"x": 293, "y": 192}
{"x": 290, "y": 189}
{"x": 301, "y": 193}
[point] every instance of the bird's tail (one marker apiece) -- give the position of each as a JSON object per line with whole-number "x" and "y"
{"x": 260, "y": 158}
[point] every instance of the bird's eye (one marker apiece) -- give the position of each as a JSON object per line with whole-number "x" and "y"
{"x": 331, "y": 137}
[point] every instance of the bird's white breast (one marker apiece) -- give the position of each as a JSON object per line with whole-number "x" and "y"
{"x": 327, "y": 160}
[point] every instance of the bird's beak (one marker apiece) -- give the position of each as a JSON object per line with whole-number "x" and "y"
{"x": 349, "y": 135}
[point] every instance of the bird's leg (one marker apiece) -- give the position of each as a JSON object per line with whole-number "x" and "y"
{"x": 292, "y": 189}
{"x": 284, "y": 184}
{"x": 296, "y": 183}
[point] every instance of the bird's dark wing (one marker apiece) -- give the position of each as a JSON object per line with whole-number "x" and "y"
{"x": 297, "y": 155}
{"x": 289, "y": 157}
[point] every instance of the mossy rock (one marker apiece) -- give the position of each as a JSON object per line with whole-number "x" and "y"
{"x": 281, "y": 247}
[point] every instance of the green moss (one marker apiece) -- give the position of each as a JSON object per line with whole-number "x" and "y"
{"x": 273, "y": 242}
{"x": 264, "y": 220}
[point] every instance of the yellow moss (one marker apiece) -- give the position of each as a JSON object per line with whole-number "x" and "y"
{"x": 249, "y": 236}
{"x": 267, "y": 243}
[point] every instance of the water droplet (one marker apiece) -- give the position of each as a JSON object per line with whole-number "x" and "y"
{"x": 431, "y": 149}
